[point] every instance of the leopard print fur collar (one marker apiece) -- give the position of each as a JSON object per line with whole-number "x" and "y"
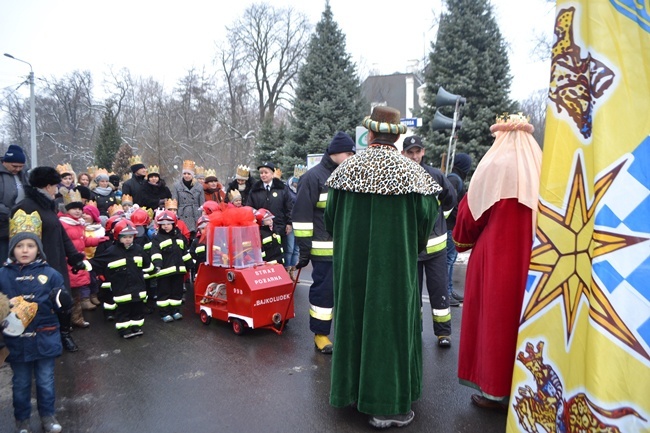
{"x": 382, "y": 170}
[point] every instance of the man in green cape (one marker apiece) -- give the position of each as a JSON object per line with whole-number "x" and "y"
{"x": 380, "y": 211}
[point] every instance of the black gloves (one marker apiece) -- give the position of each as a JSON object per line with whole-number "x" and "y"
{"x": 80, "y": 266}
{"x": 61, "y": 298}
{"x": 302, "y": 262}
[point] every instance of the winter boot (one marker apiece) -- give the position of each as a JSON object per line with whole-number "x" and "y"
{"x": 87, "y": 305}
{"x": 323, "y": 344}
{"x": 77, "y": 316}
{"x": 51, "y": 425}
{"x": 94, "y": 299}
{"x": 65, "y": 320}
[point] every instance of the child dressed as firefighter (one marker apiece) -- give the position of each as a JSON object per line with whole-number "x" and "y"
{"x": 272, "y": 252}
{"x": 123, "y": 266}
{"x": 197, "y": 248}
{"x": 171, "y": 258}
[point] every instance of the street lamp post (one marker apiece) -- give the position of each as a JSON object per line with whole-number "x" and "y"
{"x": 32, "y": 108}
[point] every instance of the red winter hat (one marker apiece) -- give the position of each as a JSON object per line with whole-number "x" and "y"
{"x": 93, "y": 212}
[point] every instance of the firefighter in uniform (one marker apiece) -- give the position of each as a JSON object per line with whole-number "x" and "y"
{"x": 314, "y": 242}
{"x": 432, "y": 262}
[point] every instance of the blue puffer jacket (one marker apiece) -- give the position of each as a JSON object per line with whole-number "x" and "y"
{"x": 34, "y": 282}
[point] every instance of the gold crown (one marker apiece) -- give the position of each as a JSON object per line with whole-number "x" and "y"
{"x": 126, "y": 176}
{"x": 277, "y": 173}
{"x": 170, "y": 203}
{"x": 114, "y": 209}
{"x": 243, "y": 171}
{"x": 199, "y": 171}
{"x": 210, "y": 172}
{"x": 188, "y": 164}
{"x": 234, "y": 195}
{"x": 22, "y": 222}
{"x": 126, "y": 198}
{"x": 100, "y": 171}
{"x": 149, "y": 212}
{"x": 153, "y": 169}
{"x": 71, "y": 196}
{"x": 299, "y": 170}
{"x": 64, "y": 168}
{"x": 92, "y": 203}
{"x": 135, "y": 159}
{"x": 512, "y": 122}
{"x": 91, "y": 171}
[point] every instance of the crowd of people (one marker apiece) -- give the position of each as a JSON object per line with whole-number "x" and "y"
{"x": 377, "y": 226}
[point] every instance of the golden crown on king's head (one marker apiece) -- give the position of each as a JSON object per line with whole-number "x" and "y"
{"x": 188, "y": 164}
{"x": 91, "y": 171}
{"x": 150, "y": 212}
{"x": 64, "y": 168}
{"x": 100, "y": 171}
{"x": 22, "y": 222}
{"x": 153, "y": 169}
{"x": 71, "y": 196}
{"x": 114, "y": 209}
{"x": 92, "y": 203}
{"x": 299, "y": 170}
{"x": 199, "y": 171}
{"x": 170, "y": 203}
{"x": 126, "y": 177}
{"x": 277, "y": 173}
{"x": 243, "y": 171}
{"x": 127, "y": 198}
{"x": 210, "y": 172}
{"x": 135, "y": 159}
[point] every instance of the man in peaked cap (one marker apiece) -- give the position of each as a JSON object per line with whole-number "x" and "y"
{"x": 12, "y": 190}
{"x": 381, "y": 208}
{"x": 314, "y": 242}
{"x": 432, "y": 261}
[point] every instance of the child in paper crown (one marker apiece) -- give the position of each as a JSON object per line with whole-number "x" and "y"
{"x": 272, "y": 252}
{"x": 32, "y": 353}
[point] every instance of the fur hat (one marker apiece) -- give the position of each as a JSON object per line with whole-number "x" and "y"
{"x": 341, "y": 143}
{"x": 14, "y": 154}
{"x": 40, "y": 177}
{"x": 384, "y": 120}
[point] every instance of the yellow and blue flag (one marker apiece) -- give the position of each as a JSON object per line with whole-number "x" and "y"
{"x": 583, "y": 352}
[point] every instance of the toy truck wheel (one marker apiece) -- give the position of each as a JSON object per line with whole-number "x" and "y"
{"x": 238, "y": 326}
{"x": 205, "y": 318}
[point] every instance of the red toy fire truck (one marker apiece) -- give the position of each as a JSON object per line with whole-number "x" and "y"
{"x": 236, "y": 286}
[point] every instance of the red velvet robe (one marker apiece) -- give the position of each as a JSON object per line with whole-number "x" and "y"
{"x": 497, "y": 270}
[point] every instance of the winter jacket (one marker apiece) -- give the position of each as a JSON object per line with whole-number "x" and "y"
{"x": 124, "y": 271}
{"x": 447, "y": 200}
{"x": 104, "y": 201}
{"x": 314, "y": 242}
{"x": 8, "y": 195}
{"x": 56, "y": 243}
{"x": 77, "y": 233}
{"x": 170, "y": 253}
{"x": 217, "y": 195}
{"x": 133, "y": 187}
{"x": 271, "y": 246}
{"x": 277, "y": 201}
{"x": 34, "y": 282}
{"x": 244, "y": 193}
{"x": 457, "y": 180}
{"x": 189, "y": 201}
{"x": 152, "y": 194}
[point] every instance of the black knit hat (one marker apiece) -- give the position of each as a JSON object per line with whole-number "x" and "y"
{"x": 341, "y": 143}
{"x": 463, "y": 162}
{"x": 40, "y": 177}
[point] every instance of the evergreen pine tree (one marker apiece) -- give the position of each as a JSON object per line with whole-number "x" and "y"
{"x": 328, "y": 95}
{"x": 469, "y": 58}
{"x": 269, "y": 140}
{"x": 122, "y": 165}
{"x": 109, "y": 139}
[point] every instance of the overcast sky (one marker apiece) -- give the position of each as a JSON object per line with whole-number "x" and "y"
{"x": 164, "y": 39}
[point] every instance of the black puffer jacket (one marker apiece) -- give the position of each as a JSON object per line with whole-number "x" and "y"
{"x": 278, "y": 201}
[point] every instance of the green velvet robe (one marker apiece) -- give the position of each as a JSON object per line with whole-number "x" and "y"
{"x": 377, "y": 360}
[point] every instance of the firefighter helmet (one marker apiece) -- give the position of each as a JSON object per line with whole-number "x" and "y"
{"x": 124, "y": 227}
{"x": 140, "y": 217}
{"x": 261, "y": 214}
{"x": 166, "y": 216}
{"x": 202, "y": 222}
{"x": 112, "y": 221}
{"x": 209, "y": 207}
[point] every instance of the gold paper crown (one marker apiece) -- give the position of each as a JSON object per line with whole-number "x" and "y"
{"x": 210, "y": 172}
{"x": 170, "y": 203}
{"x": 21, "y": 222}
{"x": 126, "y": 177}
{"x": 114, "y": 209}
{"x": 199, "y": 171}
{"x": 149, "y": 212}
{"x": 136, "y": 159}
{"x": 71, "y": 196}
{"x": 234, "y": 195}
{"x": 92, "y": 203}
{"x": 126, "y": 198}
{"x": 277, "y": 173}
{"x": 188, "y": 164}
{"x": 299, "y": 170}
{"x": 512, "y": 122}
{"x": 91, "y": 171}
{"x": 64, "y": 168}
{"x": 100, "y": 171}
{"x": 243, "y": 171}
{"x": 153, "y": 169}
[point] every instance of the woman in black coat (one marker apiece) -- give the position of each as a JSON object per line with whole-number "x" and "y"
{"x": 39, "y": 197}
{"x": 154, "y": 190}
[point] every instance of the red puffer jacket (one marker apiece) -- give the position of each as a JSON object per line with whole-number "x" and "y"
{"x": 75, "y": 230}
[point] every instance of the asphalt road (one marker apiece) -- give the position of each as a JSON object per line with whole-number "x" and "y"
{"x": 189, "y": 377}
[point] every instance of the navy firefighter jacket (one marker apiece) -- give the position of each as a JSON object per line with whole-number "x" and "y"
{"x": 124, "y": 269}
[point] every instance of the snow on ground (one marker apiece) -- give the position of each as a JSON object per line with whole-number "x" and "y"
{"x": 463, "y": 257}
